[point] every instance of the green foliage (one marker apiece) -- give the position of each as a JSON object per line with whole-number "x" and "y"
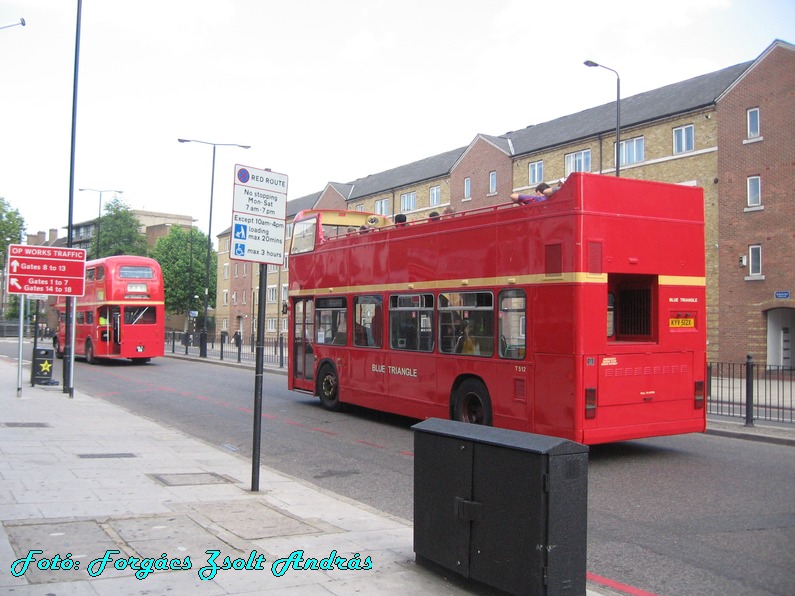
{"x": 183, "y": 256}
{"x": 120, "y": 232}
{"x": 12, "y": 226}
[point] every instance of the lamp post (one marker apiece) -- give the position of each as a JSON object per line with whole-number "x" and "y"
{"x": 618, "y": 111}
{"x": 13, "y": 24}
{"x": 99, "y": 215}
{"x": 203, "y": 334}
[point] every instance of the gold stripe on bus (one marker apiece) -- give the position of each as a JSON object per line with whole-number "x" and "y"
{"x": 460, "y": 284}
{"x": 579, "y": 277}
{"x": 682, "y": 280}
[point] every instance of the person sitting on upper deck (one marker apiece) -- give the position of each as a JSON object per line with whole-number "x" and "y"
{"x": 543, "y": 192}
{"x": 400, "y": 219}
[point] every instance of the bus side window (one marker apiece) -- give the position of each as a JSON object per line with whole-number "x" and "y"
{"x": 411, "y": 322}
{"x": 366, "y": 317}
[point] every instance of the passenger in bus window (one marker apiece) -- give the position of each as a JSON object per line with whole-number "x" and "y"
{"x": 434, "y": 216}
{"x": 466, "y": 343}
{"x": 400, "y": 219}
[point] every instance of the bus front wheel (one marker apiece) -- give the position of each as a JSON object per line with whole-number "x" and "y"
{"x": 471, "y": 403}
{"x": 328, "y": 388}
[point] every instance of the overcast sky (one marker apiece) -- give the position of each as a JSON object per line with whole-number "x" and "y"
{"x": 321, "y": 90}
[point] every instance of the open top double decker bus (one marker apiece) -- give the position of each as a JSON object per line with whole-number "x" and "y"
{"x": 121, "y": 315}
{"x": 581, "y": 317}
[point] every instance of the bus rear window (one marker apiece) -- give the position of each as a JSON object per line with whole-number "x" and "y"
{"x": 135, "y": 272}
{"x": 144, "y": 315}
{"x": 631, "y": 303}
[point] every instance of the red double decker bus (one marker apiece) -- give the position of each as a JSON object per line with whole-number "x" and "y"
{"x": 121, "y": 315}
{"x": 582, "y": 316}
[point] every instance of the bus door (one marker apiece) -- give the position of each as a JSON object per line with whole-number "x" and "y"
{"x": 115, "y": 346}
{"x": 514, "y": 379}
{"x": 302, "y": 357}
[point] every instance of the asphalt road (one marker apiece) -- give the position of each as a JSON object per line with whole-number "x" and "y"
{"x": 694, "y": 514}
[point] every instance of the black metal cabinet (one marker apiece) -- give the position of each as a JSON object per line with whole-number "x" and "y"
{"x": 507, "y": 509}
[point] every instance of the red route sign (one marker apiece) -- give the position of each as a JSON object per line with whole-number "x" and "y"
{"x": 53, "y": 271}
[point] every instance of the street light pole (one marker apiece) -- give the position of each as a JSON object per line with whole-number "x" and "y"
{"x": 618, "y": 112}
{"x": 203, "y": 334}
{"x": 99, "y": 215}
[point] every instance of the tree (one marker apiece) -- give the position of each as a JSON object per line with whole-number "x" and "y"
{"x": 182, "y": 255}
{"x": 12, "y": 226}
{"x": 120, "y": 232}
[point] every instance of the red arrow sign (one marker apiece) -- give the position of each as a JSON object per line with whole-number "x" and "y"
{"x": 45, "y": 270}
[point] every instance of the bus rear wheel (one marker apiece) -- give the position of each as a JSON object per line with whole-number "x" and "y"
{"x": 471, "y": 403}
{"x": 90, "y": 352}
{"x": 328, "y": 388}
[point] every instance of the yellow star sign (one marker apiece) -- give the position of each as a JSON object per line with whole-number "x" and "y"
{"x": 45, "y": 366}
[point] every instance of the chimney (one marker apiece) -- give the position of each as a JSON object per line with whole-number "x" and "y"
{"x": 53, "y": 236}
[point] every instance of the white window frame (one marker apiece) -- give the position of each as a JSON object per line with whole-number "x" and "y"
{"x": 408, "y": 201}
{"x": 753, "y": 191}
{"x": 272, "y": 293}
{"x": 226, "y": 270}
{"x": 632, "y": 151}
{"x": 382, "y": 206}
{"x": 359, "y": 207}
{"x": 578, "y": 161}
{"x": 467, "y": 188}
{"x": 535, "y": 173}
{"x": 684, "y": 139}
{"x": 435, "y": 196}
{"x": 225, "y": 298}
{"x": 755, "y": 260}
{"x": 753, "y": 128}
{"x": 271, "y": 325}
{"x": 234, "y": 298}
{"x": 493, "y": 182}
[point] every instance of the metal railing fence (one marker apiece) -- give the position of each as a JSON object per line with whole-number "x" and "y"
{"x": 751, "y": 391}
{"x": 227, "y": 347}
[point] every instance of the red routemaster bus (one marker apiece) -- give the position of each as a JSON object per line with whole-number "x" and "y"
{"x": 582, "y": 316}
{"x": 121, "y": 314}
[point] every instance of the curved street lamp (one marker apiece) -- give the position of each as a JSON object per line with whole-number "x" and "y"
{"x": 203, "y": 334}
{"x": 99, "y": 215}
{"x": 591, "y": 63}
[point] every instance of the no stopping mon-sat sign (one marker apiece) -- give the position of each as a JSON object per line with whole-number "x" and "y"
{"x": 45, "y": 270}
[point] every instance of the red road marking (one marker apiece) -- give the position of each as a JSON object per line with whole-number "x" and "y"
{"x": 371, "y": 444}
{"x": 616, "y": 585}
{"x": 326, "y": 432}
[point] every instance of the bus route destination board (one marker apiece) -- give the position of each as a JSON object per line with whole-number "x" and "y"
{"x": 45, "y": 270}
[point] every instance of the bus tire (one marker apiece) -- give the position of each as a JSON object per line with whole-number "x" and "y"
{"x": 57, "y": 348}
{"x": 90, "y": 352}
{"x": 328, "y": 389}
{"x": 471, "y": 403}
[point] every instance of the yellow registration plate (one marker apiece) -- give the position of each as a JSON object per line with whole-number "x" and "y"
{"x": 680, "y": 323}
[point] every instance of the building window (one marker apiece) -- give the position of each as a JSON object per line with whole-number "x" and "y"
{"x": 359, "y": 207}
{"x": 408, "y": 201}
{"x": 237, "y": 270}
{"x": 286, "y": 265}
{"x": 753, "y": 123}
{"x": 285, "y": 292}
{"x": 492, "y": 183}
{"x": 632, "y": 151}
{"x": 272, "y": 325}
{"x": 755, "y": 260}
{"x": 579, "y": 161}
{"x": 234, "y": 298}
{"x": 225, "y": 301}
{"x": 684, "y": 139}
{"x": 467, "y": 189}
{"x": 435, "y": 196}
{"x": 224, "y": 324}
{"x": 245, "y": 269}
{"x": 226, "y": 270}
{"x": 272, "y": 294}
{"x": 382, "y": 206}
{"x": 244, "y": 295}
{"x": 754, "y": 191}
{"x": 273, "y": 268}
{"x": 536, "y": 173}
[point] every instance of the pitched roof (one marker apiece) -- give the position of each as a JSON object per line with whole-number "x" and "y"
{"x": 676, "y": 98}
